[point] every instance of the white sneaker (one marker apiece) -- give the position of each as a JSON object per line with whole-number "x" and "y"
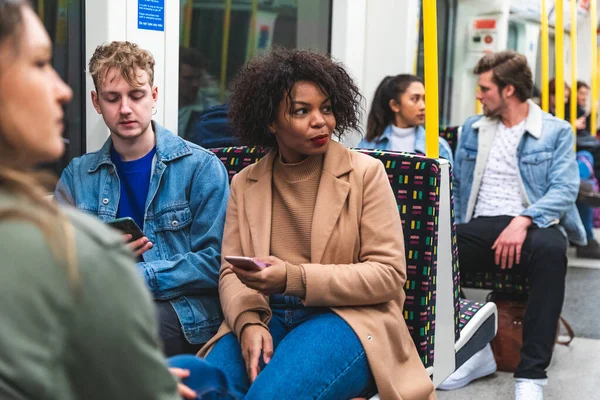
{"x": 529, "y": 389}
{"x": 479, "y": 365}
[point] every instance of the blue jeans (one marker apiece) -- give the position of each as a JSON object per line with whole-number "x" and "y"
{"x": 207, "y": 381}
{"x": 587, "y": 217}
{"x": 317, "y": 356}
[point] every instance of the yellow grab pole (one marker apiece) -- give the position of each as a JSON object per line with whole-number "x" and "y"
{"x": 573, "y": 100}
{"x": 187, "y": 22}
{"x": 559, "y": 53}
{"x": 545, "y": 58}
{"x": 225, "y": 49}
{"x": 40, "y": 11}
{"x": 431, "y": 78}
{"x": 252, "y": 38}
{"x": 594, "y": 55}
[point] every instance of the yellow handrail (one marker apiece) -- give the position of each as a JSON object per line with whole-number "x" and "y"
{"x": 40, "y": 10}
{"x": 559, "y": 53}
{"x": 252, "y": 38}
{"x": 594, "y": 55}
{"x": 225, "y": 49}
{"x": 431, "y": 78}
{"x": 545, "y": 58}
{"x": 573, "y": 100}
{"x": 187, "y": 23}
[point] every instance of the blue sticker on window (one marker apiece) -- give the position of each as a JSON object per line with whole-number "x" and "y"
{"x": 151, "y": 15}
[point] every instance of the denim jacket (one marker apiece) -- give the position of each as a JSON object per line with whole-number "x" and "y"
{"x": 184, "y": 219}
{"x": 548, "y": 172}
{"x": 383, "y": 143}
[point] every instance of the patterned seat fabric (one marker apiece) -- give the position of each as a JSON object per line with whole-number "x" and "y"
{"x": 450, "y": 133}
{"x": 468, "y": 309}
{"x": 497, "y": 281}
{"x": 415, "y": 181}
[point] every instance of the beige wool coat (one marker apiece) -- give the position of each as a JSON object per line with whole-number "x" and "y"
{"x": 358, "y": 264}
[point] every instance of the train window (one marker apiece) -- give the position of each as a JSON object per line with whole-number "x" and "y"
{"x": 64, "y": 21}
{"x": 218, "y": 37}
{"x": 513, "y": 37}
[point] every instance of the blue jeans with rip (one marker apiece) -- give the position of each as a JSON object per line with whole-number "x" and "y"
{"x": 317, "y": 355}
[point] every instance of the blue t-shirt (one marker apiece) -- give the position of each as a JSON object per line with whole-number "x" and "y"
{"x": 135, "y": 183}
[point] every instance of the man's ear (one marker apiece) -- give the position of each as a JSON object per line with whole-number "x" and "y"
{"x": 155, "y": 95}
{"x": 95, "y": 102}
{"x": 508, "y": 91}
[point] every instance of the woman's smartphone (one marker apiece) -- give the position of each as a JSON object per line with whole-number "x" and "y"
{"x": 128, "y": 226}
{"x": 245, "y": 263}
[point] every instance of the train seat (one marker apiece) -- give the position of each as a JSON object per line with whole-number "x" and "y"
{"x": 432, "y": 309}
{"x": 450, "y": 134}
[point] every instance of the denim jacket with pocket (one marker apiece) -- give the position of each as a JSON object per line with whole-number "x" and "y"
{"x": 548, "y": 172}
{"x": 184, "y": 219}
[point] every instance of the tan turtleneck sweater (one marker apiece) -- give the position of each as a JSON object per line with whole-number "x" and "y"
{"x": 295, "y": 188}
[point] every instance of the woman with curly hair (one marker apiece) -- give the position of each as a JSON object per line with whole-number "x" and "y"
{"x": 320, "y": 316}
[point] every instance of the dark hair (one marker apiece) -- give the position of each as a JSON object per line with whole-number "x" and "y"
{"x": 509, "y": 68}
{"x": 262, "y": 84}
{"x": 582, "y": 84}
{"x": 381, "y": 115}
{"x": 11, "y": 18}
{"x": 191, "y": 56}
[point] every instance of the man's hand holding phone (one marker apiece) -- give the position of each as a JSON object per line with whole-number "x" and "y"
{"x": 265, "y": 274}
{"x": 139, "y": 246}
{"x": 137, "y": 242}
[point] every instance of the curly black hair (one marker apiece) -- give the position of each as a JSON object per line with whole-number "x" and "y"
{"x": 265, "y": 81}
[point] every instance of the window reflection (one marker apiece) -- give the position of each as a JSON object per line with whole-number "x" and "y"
{"x": 218, "y": 37}
{"x": 63, "y": 20}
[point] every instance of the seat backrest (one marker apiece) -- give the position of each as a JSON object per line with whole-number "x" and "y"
{"x": 450, "y": 134}
{"x": 415, "y": 181}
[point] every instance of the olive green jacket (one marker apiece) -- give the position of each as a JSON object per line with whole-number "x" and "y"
{"x": 99, "y": 341}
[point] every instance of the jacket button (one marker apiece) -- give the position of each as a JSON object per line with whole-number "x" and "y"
{"x": 175, "y": 223}
{"x": 105, "y": 201}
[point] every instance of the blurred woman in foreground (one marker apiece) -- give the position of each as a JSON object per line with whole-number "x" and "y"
{"x": 77, "y": 322}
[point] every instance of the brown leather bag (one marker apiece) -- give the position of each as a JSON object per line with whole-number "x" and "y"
{"x": 509, "y": 339}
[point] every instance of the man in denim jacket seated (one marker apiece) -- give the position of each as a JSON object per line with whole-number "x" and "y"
{"x": 174, "y": 190}
{"x": 515, "y": 185}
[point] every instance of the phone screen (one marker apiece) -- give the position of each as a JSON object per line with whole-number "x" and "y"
{"x": 246, "y": 263}
{"x": 127, "y": 225}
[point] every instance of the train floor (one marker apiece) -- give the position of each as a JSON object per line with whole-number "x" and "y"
{"x": 575, "y": 370}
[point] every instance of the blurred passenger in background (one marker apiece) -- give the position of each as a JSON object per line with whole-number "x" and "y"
{"x": 198, "y": 92}
{"x": 588, "y": 148}
{"x": 397, "y": 116}
{"x": 174, "y": 190}
{"x": 77, "y": 321}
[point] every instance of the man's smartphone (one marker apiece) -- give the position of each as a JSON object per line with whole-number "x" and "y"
{"x": 246, "y": 263}
{"x": 127, "y": 225}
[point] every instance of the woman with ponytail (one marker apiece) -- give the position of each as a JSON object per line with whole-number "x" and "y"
{"x": 397, "y": 115}
{"x": 77, "y": 322}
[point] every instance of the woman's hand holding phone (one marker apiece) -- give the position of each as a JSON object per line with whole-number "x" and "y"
{"x": 270, "y": 279}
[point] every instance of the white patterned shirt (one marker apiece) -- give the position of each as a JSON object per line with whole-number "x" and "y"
{"x": 500, "y": 191}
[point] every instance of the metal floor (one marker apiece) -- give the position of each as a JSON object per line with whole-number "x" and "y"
{"x": 575, "y": 370}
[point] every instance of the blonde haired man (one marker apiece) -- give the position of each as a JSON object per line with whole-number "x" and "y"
{"x": 175, "y": 191}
